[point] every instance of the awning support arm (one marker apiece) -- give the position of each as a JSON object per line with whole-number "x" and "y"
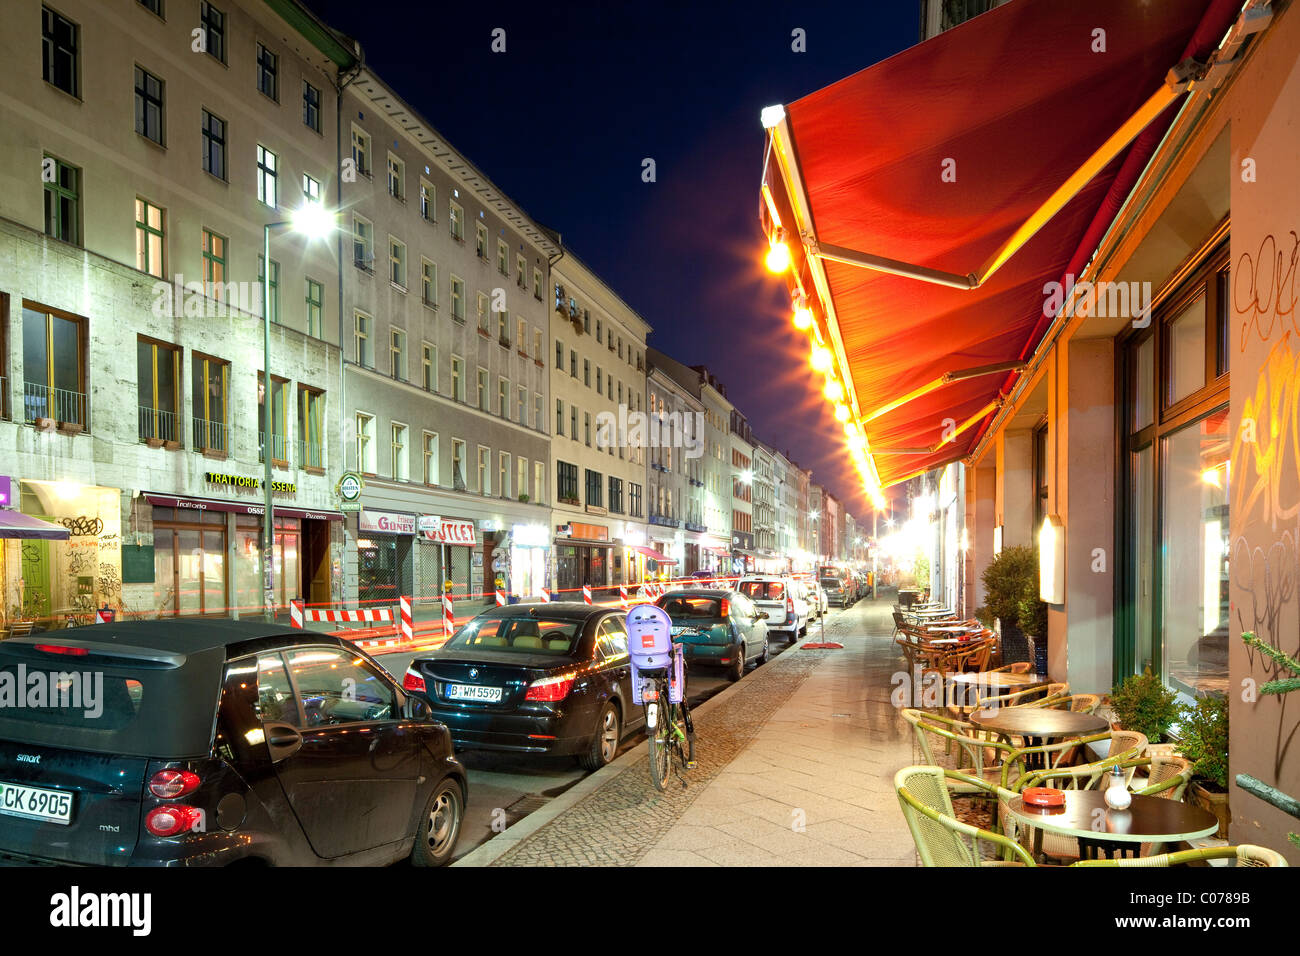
{"x": 945, "y": 379}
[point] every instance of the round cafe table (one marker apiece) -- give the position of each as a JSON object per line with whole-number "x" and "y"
{"x": 994, "y": 679}
{"x": 1103, "y": 831}
{"x": 1037, "y": 725}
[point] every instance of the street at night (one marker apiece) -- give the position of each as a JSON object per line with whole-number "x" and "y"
{"x": 447, "y": 439}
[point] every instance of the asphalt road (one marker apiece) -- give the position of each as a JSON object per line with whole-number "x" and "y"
{"x": 504, "y": 787}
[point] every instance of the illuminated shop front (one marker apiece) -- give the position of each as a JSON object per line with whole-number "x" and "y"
{"x": 529, "y": 552}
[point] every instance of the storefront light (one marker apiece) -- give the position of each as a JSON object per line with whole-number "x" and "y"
{"x": 1051, "y": 560}
{"x": 778, "y": 254}
{"x": 833, "y": 390}
{"x": 821, "y": 358}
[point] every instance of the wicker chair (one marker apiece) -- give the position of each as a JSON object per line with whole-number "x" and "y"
{"x": 1077, "y": 703}
{"x": 1020, "y": 667}
{"x": 1038, "y": 694}
{"x": 941, "y": 839}
{"x": 1168, "y": 777}
{"x": 1245, "y": 855}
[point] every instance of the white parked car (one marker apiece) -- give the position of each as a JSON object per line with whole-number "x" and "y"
{"x": 782, "y": 598}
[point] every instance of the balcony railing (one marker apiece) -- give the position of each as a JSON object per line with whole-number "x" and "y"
{"x": 310, "y": 454}
{"x": 692, "y": 526}
{"x": 157, "y": 425}
{"x": 664, "y": 520}
{"x": 60, "y": 404}
{"x": 210, "y": 436}
{"x": 279, "y": 447}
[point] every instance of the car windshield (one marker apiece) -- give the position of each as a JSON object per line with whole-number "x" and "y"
{"x": 532, "y": 635}
{"x": 682, "y": 607}
{"x": 763, "y": 590}
{"x": 830, "y": 583}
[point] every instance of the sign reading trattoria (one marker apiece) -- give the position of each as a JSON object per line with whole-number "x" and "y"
{"x": 248, "y": 482}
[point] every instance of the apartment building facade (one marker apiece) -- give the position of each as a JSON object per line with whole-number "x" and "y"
{"x": 676, "y": 468}
{"x": 598, "y": 389}
{"x": 741, "y": 475}
{"x": 764, "y": 505}
{"x": 144, "y": 157}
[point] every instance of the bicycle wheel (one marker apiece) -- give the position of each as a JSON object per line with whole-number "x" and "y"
{"x": 659, "y": 740}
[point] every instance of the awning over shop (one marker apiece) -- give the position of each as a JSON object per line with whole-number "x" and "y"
{"x": 239, "y": 507}
{"x": 928, "y": 200}
{"x": 15, "y": 524}
{"x": 654, "y": 555}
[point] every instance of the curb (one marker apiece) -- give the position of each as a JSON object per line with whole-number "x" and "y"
{"x": 485, "y": 854}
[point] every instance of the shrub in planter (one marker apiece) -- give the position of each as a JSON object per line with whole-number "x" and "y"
{"x": 1204, "y": 729}
{"x": 1010, "y": 579}
{"x": 1033, "y": 621}
{"x": 1142, "y": 703}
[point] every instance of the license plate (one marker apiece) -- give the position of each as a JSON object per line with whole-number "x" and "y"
{"x": 491, "y": 695}
{"x": 52, "y": 806}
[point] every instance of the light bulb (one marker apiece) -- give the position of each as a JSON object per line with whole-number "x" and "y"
{"x": 833, "y": 391}
{"x": 821, "y": 358}
{"x": 841, "y": 413}
{"x": 778, "y": 256}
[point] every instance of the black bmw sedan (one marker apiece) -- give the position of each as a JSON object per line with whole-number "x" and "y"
{"x": 201, "y": 743}
{"x": 534, "y": 678}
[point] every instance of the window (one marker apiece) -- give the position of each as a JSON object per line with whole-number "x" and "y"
{"x": 274, "y": 289}
{"x": 212, "y": 23}
{"x": 594, "y": 489}
{"x": 310, "y": 106}
{"x": 428, "y": 201}
{"x": 268, "y": 65}
{"x": 59, "y": 52}
{"x": 503, "y": 474}
{"x": 362, "y": 325}
{"x": 634, "y": 500}
{"x": 311, "y": 430}
{"x": 539, "y": 481}
{"x": 537, "y": 344}
{"x": 480, "y": 240}
{"x": 503, "y": 258}
{"x": 361, "y": 151}
{"x": 537, "y": 284}
{"x": 521, "y": 476}
{"x": 397, "y": 353}
{"x": 559, "y": 354}
{"x": 62, "y": 200}
{"x": 483, "y": 311}
{"x": 400, "y": 462}
{"x": 482, "y": 389}
{"x": 600, "y": 332}
{"x": 214, "y": 145}
{"x": 559, "y": 416}
{"x": 366, "y": 443}
{"x": 214, "y": 265}
{"x": 279, "y": 419}
{"x": 458, "y": 299}
{"x": 315, "y": 308}
{"x": 53, "y": 367}
{"x": 503, "y": 397}
{"x": 586, "y": 321}
{"x": 456, "y": 221}
{"x": 521, "y": 342}
{"x": 573, "y": 422}
{"x": 430, "y": 458}
{"x": 586, "y": 372}
{"x": 396, "y": 178}
{"x": 573, "y": 364}
{"x": 311, "y": 189}
{"x": 148, "y": 105}
{"x": 429, "y": 283}
{"x": 149, "y": 238}
{"x": 521, "y": 273}
{"x": 484, "y": 470}
{"x": 429, "y": 367}
{"x": 521, "y": 405}
{"x": 615, "y": 495}
{"x": 458, "y": 464}
{"x": 158, "y": 378}
{"x": 458, "y": 378}
{"x": 1040, "y": 474}
{"x": 586, "y": 428}
{"x": 537, "y": 411}
{"x": 336, "y": 687}
{"x": 363, "y": 243}
{"x": 566, "y": 482}
{"x": 266, "y": 177}
{"x": 397, "y": 262}
{"x": 210, "y": 379}
{"x": 599, "y": 386}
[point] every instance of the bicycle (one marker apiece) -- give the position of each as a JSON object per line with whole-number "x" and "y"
{"x": 670, "y": 734}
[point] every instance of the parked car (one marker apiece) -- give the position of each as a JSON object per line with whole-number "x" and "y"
{"x": 836, "y": 593}
{"x": 534, "y": 678}
{"x": 787, "y": 611}
{"x": 218, "y": 742}
{"x": 717, "y": 628}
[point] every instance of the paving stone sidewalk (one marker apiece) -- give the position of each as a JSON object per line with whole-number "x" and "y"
{"x": 796, "y": 768}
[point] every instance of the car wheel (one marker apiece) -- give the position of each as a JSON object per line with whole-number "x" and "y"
{"x": 737, "y": 670}
{"x": 440, "y": 825}
{"x": 604, "y": 743}
{"x": 762, "y": 658}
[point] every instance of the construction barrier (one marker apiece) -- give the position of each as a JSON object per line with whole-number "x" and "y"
{"x": 408, "y": 628}
{"x": 622, "y": 594}
{"x": 448, "y": 616}
{"x": 546, "y": 595}
{"x": 586, "y": 593}
{"x": 298, "y": 614}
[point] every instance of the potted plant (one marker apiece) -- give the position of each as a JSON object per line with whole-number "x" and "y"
{"x": 1010, "y": 578}
{"x": 1204, "y": 732}
{"x": 1032, "y": 619}
{"x": 524, "y": 498}
{"x": 1144, "y": 704}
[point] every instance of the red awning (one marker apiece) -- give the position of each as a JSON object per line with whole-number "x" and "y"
{"x": 654, "y": 555}
{"x": 1009, "y": 105}
{"x": 239, "y": 507}
{"x": 15, "y": 524}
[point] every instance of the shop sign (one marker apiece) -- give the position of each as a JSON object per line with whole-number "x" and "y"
{"x": 387, "y": 522}
{"x": 592, "y": 532}
{"x": 452, "y": 531}
{"x": 248, "y": 482}
{"x": 429, "y": 523}
{"x": 530, "y": 535}
{"x": 349, "y": 486}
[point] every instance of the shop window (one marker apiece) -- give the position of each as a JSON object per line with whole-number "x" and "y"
{"x": 190, "y": 562}
{"x": 54, "y": 368}
{"x": 311, "y": 427}
{"x": 279, "y": 420}
{"x": 158, "y": 377}
{"x": 210, "y": 380}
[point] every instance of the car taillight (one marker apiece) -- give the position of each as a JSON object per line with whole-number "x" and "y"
{"x": 789, "y": 604}
{"x": 413, "y": 681}
{"x": 62, "y": 649}
{"x": 550, "y": 689}
{"x": 170, "y": 784}
{"x": 726, "y": 608}
{"x": 172, "y": 819}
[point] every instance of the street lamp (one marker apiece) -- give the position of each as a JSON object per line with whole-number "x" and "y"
{"x": 310, "y": 220}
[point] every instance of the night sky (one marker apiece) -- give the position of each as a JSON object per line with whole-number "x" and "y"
{"x": 583, "y": 94}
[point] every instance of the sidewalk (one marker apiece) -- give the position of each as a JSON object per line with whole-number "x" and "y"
{"x": 796, "y": 767}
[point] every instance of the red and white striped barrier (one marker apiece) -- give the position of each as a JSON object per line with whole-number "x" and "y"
{"x": 299, "y": 614}
{"x": 407, "y": 628}
{"x": 622, "y": 594}
{"x": 105, "y": 615}
{"x": 448, "y": 616}
{"x": 586, "y": 593}
{"x": 501, "y": 598}
{"x": 546, "y": 595}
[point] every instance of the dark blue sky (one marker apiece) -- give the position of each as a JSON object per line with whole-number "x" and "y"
{"x": 583, "y": 94}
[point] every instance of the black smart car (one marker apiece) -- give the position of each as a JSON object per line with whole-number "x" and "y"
{"x": 187, "y": 743}
{"x": 535, "y": 678}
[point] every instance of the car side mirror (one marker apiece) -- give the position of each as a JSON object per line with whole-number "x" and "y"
{"x": 763, "y": 615}
{"x": 416, "y": 707}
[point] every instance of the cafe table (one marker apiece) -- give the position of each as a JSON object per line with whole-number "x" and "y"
{"x": 954, "y": 628}
{"x": 969, "y": 688}
{"x": 1103, "y": 831}
{"x": 1037, "y": 725}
